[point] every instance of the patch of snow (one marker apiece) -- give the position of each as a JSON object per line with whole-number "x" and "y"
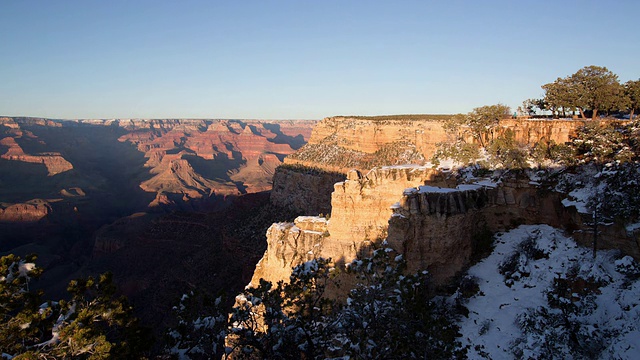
{"x": 633, "y": 227}
{"x": 312, "y": 219}
{"x": 496, "y": 312}
{"x": 579, "y": 198}
{"x": 467, "y": 187}
{"x": 435, "y": 189}
{"x": 487, "y": 183}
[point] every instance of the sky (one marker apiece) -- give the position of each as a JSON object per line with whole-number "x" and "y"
{"x": 299, "y": 59}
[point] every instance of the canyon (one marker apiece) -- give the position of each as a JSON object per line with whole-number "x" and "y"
{"x": 140, "y": 198}
{"x": 170, "y": 206}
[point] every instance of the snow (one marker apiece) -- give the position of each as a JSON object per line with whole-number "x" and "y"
{"x": 281, "y": 226}
{"x": 579, "y": 198}
{"x": 633, "y": 227}
{"x": 312, "y": 219}
{"x": 496, "y": 311}
{"x": 487, "y": 183}
{"x": 57, "y": 327}
{"x": 436, "y": 189}
{"x": 406, "y": 166}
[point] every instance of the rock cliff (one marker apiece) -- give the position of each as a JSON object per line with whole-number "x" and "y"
{"x": 421, "y": 213}
{"x": 344, "y": 143}
{"x": 432, "y": 225}
{"x": 291, "y": 244}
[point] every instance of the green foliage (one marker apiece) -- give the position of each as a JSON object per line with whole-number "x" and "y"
{"x": 308, "y": 170}
{"x": 285, "y": 320}
{"x": 197, "y": 336}
{"x": 388, "y": 314}
{"x": 592, "y": 88}
{"x": 530, "y": 106}
{"x": 604, "y": 142}
{"x": 563, "y": 328}
{"x": 506, "y": 153}
{"x": 460, "y": 151}
{"x": 481, "y": 125}
{"x": 543, "y": 150}
{"x": 632, "y": 92}
{"x": 393, "y": 315}
{"x": 94, "y": 324}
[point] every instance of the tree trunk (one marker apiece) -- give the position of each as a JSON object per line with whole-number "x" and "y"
{"x": 631, "y": 114}
{"x": 595, "y": 114}
{"x": 595, "y": 231}
{"x": 581, "y": 113}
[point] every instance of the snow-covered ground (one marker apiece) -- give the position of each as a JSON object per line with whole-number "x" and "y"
{"x": 542, "y": 296}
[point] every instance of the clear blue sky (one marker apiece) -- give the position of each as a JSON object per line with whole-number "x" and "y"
{"x": 299, "y": 59}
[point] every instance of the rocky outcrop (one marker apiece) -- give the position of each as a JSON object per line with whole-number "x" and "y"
{"x": 291, "y": 244}
{"x": 361, "y": 208}
{"x": 361, "y": 205}
{"x": 428, "y": 218}
{"x": 54, "y": 162}
{"x": 434, "y": 228}
{"x": 226, "y": 157}
{"x": 32, "y": 211}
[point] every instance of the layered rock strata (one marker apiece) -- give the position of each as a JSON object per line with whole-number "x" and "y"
{"x": 291, "y": 244}
{"x": 422, "y": 214}
{"x": 343, "y": 143}
{"x": 54, "y": 162}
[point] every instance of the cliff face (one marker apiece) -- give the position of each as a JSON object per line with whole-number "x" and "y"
{"x": 341, "y": 143}
{"x": 361, "y": 205}
{"x": 420, "y": 214}
{"x": 291, "y": 244}
{"x": 433, "y": 226}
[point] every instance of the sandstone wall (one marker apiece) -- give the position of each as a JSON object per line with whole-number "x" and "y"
{"x": 341, "y": 143}
{"x": 432, "y": 225}
{"x": 288, "y": 245}
{"x": 361, "y": 205}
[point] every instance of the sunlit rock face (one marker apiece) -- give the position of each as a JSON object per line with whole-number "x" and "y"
{"x": 307, "y": 191}
{"x": 199, "y": 158}
{"x": 291, "y": 244}
{"x": 433, "y": 229}
{"x": 53, "y": 161}
{"x": 344, "y": 143}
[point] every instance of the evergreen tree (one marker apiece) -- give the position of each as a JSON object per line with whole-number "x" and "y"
{"x": 94, "y": 324}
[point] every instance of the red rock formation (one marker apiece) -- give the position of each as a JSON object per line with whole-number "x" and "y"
{"x": 54, "y": 162}
{"x": 32, "y": 211}
{"x": 202, "y": 157}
